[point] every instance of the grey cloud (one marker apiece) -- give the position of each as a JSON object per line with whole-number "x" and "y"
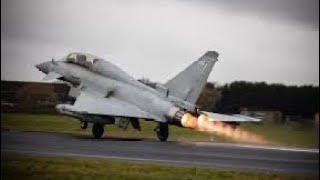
{"x": 157, "y": 39}
{"x": 301, "y": 12}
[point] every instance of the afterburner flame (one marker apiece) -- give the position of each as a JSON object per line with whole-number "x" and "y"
{"x": 189, "y": 121}
{"x": 202, "y": 123}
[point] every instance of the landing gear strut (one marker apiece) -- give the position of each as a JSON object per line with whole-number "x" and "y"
{"x": 84, "y": 125}
{"x": 162, "y": 131}
{"x": 97, "y": 130}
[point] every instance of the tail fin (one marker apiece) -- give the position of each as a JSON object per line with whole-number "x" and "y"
{"x": 188, "y": 84}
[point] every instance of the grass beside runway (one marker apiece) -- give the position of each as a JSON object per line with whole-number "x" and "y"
{"x": 286, "y": 135}
{"x": 28, "y": 167}
{"x": 290, "y": 134}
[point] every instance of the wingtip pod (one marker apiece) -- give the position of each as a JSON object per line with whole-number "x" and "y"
{"x": 212, "y": 54}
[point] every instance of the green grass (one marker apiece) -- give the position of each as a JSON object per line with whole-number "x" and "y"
{"x": 18, "y": 167}
{"x": 285, "y": 135}
{"x": 293, "y": 134}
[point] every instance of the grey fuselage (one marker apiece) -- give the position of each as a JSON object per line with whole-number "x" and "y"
{"x": 108, "y": 80}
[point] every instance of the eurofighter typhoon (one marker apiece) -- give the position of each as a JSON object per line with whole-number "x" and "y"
{"x": 103, "y": 93}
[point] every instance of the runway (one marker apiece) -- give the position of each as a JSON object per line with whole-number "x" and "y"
{"x": 213, "y": 155}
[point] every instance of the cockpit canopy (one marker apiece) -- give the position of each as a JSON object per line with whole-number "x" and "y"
{"x": 83, "y": 59}
{"x": 98, "y": 65}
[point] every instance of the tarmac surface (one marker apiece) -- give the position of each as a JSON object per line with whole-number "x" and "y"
{"x": 201, "y": 154}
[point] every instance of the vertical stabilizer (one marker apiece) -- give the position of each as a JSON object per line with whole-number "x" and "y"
{"x": 188, "y": 84}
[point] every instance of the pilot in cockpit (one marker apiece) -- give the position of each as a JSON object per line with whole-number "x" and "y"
{"x": 81, "y": 59}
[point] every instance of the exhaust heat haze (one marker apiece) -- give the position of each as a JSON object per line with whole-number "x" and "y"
{"x": 202, "y": 123}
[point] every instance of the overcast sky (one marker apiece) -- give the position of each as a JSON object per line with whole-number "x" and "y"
{"x": 276, "y": 41}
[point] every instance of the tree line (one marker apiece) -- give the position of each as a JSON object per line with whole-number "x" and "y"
{"x": 290, "y": 100}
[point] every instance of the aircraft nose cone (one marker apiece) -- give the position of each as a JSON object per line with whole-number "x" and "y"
{"x": 37, "y": 66}
{"x": 44, "y": 67}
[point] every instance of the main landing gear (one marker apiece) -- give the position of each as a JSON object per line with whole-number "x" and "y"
{"x": 97, "y": 130}
{"x": 162, "y": 131}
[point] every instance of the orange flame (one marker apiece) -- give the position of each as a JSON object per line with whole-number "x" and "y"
{"x": 189, "y": 121}
{"x": 202, "y": 123}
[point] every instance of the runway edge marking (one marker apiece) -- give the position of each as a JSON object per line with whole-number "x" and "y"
{"x": 257, "y": 147}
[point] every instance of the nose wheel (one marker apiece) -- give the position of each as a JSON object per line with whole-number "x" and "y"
{"x": 97, "y": 130}
{"x": 162, "y": 131}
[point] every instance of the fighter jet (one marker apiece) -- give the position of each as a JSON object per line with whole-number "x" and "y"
{"x": 103, "y": 93}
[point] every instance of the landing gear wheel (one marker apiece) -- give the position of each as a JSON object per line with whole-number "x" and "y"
{"x": 84, "y": 125}
{"x": 97, "y": 130}
{"x": 162, "y": 131}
